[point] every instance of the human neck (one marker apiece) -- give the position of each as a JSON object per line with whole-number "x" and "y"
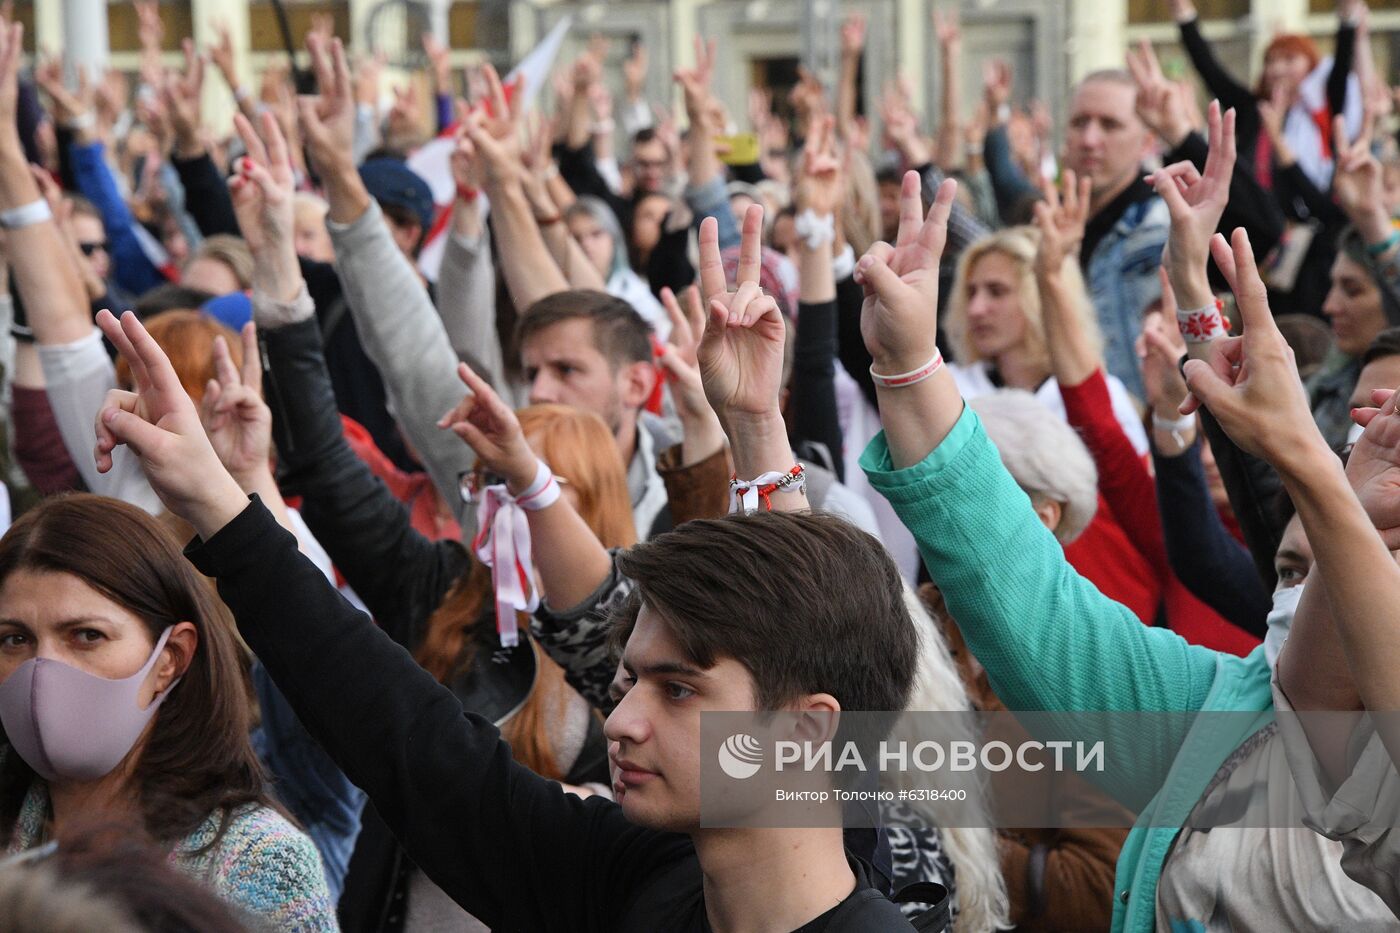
{"x": 771, "y": 880}
{"x": 1019, "y": 371}
{"x": 108, "y": 797}
{"x": 626, "y": 437}
{"x": 1098, "y": 200}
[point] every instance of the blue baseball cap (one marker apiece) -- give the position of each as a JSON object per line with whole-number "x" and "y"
{"x": 390, "y": 181}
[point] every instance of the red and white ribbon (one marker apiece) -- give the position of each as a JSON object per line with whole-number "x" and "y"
{"x": 1202, "y": 325}
{"x": 502, "y": 543}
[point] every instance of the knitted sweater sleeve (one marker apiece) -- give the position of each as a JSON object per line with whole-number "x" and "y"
{"x": 1048, "y": 638}
{"x": 268, "y": 868}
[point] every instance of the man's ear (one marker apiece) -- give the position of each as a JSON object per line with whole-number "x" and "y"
{"x": 636, "y": 382}
{"x": 816, "y": 719}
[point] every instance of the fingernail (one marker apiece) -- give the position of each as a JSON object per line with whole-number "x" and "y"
{"x": 110, "y": 415}
{"x": 865, "y": 263}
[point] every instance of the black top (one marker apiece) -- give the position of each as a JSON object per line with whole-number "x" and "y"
{"x": 512, "y": 848}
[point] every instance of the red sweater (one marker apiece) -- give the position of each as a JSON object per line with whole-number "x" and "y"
{"x": 1139, "y": 556}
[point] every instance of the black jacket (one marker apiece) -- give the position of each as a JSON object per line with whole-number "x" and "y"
{"x": 401, "y": 576}
{"x": 511, "y": 847}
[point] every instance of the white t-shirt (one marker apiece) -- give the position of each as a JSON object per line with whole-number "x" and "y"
{"x": 973, "y": 380}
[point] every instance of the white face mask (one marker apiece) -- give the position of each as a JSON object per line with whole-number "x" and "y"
{"x": 1280, "y": 621}
{"x": 1354, "y": 433}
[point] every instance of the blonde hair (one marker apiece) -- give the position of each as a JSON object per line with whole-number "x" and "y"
{"x": 968, "y": 841}
{"x": 1018, "y": 244}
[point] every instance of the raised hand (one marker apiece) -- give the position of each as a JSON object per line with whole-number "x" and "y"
{"x": 494, "y": 129}
{"x": 1356, "y": 182}
{"x": 328, "y": 118}
{"x": 263, "y": 192}
{"x": 70, "y": 107}
{"x": 1196, "y": 201}
{"x": 221, "y": 53}
{"x": 1161, "y": 103}
{"x": 899, "y": 320}
{"x": 820, "y": 186}
{"x": 440, "y": 57}
{"x": 947, "y": 29}
{"x": 159, "y": 424}
{"x": 1250, "y": 383}
{"x": 996, "y": 86}
{"x": 234, "y": 415}
{"x": 741, "y": 353}
{"x": 1160, "y": 348}
{"x": 679, "y": 357}
{"x": 695, "y": 82}
{"x": 1373, "y": 468}
{"x": 489, "y": 426}
{"x": 634, "y": 72}
{"x": 183, "y": 95}
{"x": 1061, "y": 221}
{"x": 853, "y": 35}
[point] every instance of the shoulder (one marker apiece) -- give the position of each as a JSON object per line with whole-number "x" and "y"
{"x": 267, "y": 866}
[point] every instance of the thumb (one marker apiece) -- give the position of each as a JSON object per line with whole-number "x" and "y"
{"x": 1207, "y": 388}
{"x": 134, "y": 431}
{"x": 879, "y": 277}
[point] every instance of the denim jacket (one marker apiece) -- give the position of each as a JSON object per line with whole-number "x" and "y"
{"x": 1122, "y": 277}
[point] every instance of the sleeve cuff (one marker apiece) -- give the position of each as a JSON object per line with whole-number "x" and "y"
{"x": 940, "y": 466}
{"x": 236, "y": 546}
{"x": 270, "y": 313}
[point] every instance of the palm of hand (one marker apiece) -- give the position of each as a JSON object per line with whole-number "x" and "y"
{"x": 1360, "y": 186}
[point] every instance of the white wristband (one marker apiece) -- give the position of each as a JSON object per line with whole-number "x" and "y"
{"x": 1176, "y": 428}
{"x": 913, "y": 377}
{"x": 26, "y": 215}
{"x": 813, "y": 229}
{"x": 542, "y": 493}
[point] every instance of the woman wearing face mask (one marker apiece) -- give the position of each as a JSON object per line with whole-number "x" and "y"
{"x": 123, "y": 696}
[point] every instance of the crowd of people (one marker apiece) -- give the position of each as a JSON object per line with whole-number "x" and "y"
{"x": 484, "y": 503}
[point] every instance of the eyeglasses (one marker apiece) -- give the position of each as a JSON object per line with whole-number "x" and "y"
{"x": 657, "y": 164}
{"x": 90, "y": 248}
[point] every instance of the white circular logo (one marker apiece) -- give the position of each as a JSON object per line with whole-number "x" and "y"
{"x": 740, "y": 756}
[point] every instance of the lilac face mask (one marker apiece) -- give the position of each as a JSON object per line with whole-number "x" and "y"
{"x": 70, "y": 725}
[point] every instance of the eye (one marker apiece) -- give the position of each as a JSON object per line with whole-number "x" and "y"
{"x": 11, "y": 640}
{"x": 531, "y": 373}
{"x": 565, "y": 369}
{"x": 1290, "y": 575}
{"x": 678, "y": 691}
{"x": 88, "y": 636}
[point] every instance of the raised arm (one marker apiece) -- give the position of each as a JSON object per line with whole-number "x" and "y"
{"x": 444, "y": 782}
{"x": 852, "y": 48}
{"x": 1251, "y": 385}
{"x": 1218, "y": 81}
{"x": 946, "y": 482}
{"x": 530, "y": 272}
{"x": 741, "y": 361}
{"x": 571, "y": 562}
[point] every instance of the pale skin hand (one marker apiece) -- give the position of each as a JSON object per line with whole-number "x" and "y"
{"x": 1356, "y": 183}
{"x": 821, "y": 189}
{"x": 1061, "y": 221}
{"x": 160, "y": 425}
{"x": 1196, "y": 201}
{"x": 328, "y": 128}
{"x": 741, "y": 357}
{"x": 262, "y": 193}
{"x": 1161, "y": 104}
{"x": 899, "y": 324}
{"x": 234, "y": 415}
{"x": 182, "y": 97}
{"x": 680, "y": 362}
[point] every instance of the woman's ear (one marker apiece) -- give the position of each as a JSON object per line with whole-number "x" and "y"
{"x": 1049, "y": 512}
{"x": 177, "y": 655}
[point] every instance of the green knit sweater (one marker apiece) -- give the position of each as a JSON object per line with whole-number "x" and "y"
{"x": 1050, "y": 640}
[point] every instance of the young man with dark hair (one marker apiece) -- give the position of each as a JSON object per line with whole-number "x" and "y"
{"x": 593, "y": 351}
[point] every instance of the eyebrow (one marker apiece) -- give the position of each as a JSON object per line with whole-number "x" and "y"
{"x": 663, "y": 668}
{"x": 1291, "y": 555}
{"x": 63, "y": 623}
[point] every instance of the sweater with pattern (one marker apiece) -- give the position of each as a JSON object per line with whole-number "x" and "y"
{"x": 263, "y": 865}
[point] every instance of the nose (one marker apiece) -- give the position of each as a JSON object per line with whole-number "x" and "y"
{"x": 544, "y": 390}
{"x": 627, "y": 723}
{"x": 978, "y": 306}
{"x": 1332, "y": 305}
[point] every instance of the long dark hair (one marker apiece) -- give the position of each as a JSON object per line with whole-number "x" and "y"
{"x": 198, "y": 759}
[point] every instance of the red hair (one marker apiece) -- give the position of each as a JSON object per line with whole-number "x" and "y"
{"x": 1287, "y": 44}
